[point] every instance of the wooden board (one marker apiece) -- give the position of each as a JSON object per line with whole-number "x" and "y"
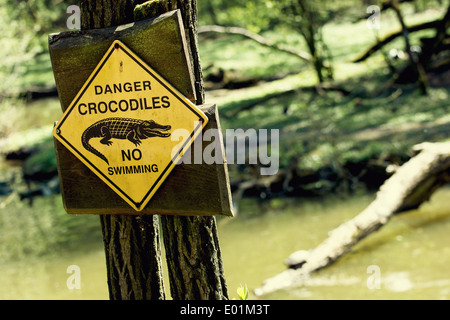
{"x": 160, "y": 42}
{"x": 194, "y": 189}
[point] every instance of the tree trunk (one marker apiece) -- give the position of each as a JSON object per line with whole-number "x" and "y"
{"x": 132, "y": 245}
{"x": 302, "y": 16}
{"x": 192, "y": 244}
{"x": 97, "y": 14}
{"x": 193, "y": 258}
{"x": 133, "y": 257}
{"x": 413, "y": 57}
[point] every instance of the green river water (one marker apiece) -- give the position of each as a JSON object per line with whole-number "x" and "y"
{"x": 411, "y": 253}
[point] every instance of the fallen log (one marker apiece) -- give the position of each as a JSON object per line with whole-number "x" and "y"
{"x": 411, "y": 185}
{"x": 37, "y": 93}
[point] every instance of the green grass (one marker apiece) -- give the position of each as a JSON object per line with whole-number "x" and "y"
{"x": 246, "y": 57}
{"x": 339, "y": 129}
{"x": 321, "y": 129}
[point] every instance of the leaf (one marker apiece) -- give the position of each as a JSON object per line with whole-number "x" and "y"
{"x": 242, "y": 292}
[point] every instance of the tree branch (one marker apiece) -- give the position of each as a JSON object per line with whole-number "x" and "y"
{"x": 392, "y": 36}
{"x": 385, "y": 5}
{"x": 255, "y": 37}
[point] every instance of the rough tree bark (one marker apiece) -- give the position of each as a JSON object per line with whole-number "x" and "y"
{"x": 97, "y": 14}
{"x": 132, "y": 243}
{"x": 407, "y": 189}
{"x": 133, "y": 257}
{"x": 192, "y": 244}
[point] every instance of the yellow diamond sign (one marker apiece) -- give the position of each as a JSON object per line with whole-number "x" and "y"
{"x": 121, "y": 122}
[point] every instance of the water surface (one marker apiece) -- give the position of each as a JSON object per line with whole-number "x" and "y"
{"x": 406, "y": 259}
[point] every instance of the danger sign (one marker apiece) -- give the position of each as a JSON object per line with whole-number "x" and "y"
{"x": 120, "y": 124}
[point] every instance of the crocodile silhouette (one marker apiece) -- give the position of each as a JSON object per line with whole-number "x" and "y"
{"x": 133, "y": 130}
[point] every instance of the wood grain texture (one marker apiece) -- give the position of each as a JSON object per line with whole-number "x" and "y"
{"x": 191, "y": 189}
{"x": 74, "y": 56}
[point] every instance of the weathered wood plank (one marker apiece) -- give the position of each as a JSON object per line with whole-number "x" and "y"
{"x": 196, "y": 189}
{"x": 191, "y": 189}
{"x": 75, "y": 54}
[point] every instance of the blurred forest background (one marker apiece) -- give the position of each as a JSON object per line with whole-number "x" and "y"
{"x": 352, "y": 85}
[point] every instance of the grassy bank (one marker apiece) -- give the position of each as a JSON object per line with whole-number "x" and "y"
{"x": 316, "y": 127}
{"x": 372, "y": 120}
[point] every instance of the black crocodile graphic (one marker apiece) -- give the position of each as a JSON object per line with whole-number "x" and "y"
{"x": 133, "y": 130}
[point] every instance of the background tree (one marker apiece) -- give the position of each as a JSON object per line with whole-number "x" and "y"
{"x": 308, "y": 18}
{"x": 132, "y": 243}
